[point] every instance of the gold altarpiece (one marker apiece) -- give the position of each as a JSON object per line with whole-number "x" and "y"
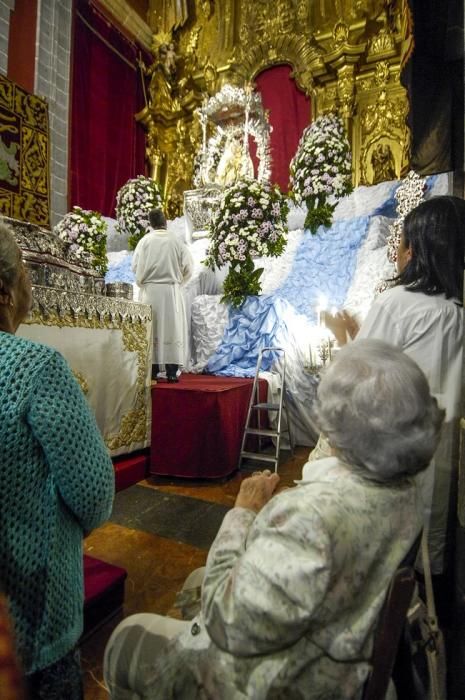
{"x": 345, "y": 54}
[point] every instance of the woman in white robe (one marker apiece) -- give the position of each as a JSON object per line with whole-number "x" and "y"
{"x": 161, "y": 264}
{"x": 423, "y": 315}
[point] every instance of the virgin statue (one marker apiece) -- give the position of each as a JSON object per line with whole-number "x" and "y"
{"x": 234, "y": 164}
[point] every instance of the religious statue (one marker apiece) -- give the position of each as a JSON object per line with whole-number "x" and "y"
{"x": 190, "y": 62}
{"x": 382, "y": 162}
{"x": 207, "y": 8}
{"x": 234, "y": 164}
{"x": 162, "y": 74}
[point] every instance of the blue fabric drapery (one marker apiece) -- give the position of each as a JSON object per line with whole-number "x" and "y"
{"x": 323, "y": 266}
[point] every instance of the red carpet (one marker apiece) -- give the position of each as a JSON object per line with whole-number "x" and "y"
{"x": 197, "y": 425}
{"x": 129, "y": 469}
{"x": 103, "y": 591}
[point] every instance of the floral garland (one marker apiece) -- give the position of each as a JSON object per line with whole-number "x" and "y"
{"x": 85, "y": 232}
{"x": 134, "y": 201}
{"x": 251, "y": 222}
{"x": 228, "y": 96}
{"x": 208, "y": 163}
{"x": 408, "y": 195}
{"x": 321, "y": 168}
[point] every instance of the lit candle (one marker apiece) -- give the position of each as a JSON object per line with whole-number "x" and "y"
{"x": 313, "y": 356}
{"x": 322, "y": 306}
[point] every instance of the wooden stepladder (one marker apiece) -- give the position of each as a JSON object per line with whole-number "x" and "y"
{"x": 256, "y": 407}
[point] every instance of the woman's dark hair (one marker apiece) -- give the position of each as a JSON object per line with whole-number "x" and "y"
{"x": 157, "y": 219}
{"x": 435, "y": 233}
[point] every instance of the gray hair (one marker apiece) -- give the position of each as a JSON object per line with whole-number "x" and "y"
{"x": 10, "y": 257}
{"x": 374, "y": 406}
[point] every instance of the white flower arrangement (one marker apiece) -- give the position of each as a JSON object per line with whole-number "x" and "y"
{"x": 85, "y": 233}
{"x": 408, "y": 195}
{"x": 321, "y": 168}
{"x": 134, "y": 201}
{"x": 250, "y": 222}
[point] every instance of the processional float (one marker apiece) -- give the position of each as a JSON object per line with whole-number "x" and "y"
{"x": 233, "y": 124}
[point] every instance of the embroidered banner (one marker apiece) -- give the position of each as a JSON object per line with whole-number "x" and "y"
{"x": 24, "y": 155}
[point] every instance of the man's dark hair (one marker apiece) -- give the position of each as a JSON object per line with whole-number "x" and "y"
{"x": 157, "y": 219}
{"x": 435, "y": 232}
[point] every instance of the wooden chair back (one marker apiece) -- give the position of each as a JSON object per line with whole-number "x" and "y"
{"x": 388, "y": 632}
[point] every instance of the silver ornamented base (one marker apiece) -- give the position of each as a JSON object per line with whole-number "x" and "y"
{"x": 51, "y": 264}
{"x": 119, "y": 290}
{"x": 199, "y": 208}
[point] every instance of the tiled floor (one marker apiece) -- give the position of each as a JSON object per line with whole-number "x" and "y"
{"x": 159, "y": 532}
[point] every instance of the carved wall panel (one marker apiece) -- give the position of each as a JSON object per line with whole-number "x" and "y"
{"x": 345, "y": 55}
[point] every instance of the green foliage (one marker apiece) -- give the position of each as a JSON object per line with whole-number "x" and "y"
{"x": 251, "y": 222}
{"x": 318, "y": 214}
{"x": 243, "y": 280}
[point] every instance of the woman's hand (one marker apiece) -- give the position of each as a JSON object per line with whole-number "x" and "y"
{"x": 341, "y": 325}
{"x": 257, "y": 490}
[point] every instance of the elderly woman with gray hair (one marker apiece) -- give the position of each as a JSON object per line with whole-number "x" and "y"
{"x": 295, "y": 581}
{"x": 56, "y": 484}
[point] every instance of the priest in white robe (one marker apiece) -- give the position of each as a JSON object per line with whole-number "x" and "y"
{"x": 161, "y": 264}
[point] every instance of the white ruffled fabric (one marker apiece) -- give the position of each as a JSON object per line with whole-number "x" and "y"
{"x": 208, "y": 321}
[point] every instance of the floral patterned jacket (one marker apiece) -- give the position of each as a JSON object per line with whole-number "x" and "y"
{"x": 292, "y": 595}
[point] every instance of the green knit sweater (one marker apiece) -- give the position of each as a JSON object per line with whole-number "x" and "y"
{"x": 56, "y": 483}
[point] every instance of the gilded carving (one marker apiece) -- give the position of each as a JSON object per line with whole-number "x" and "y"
{"x": 340, "y": 33}
{"x": 61, "y": 310}
{"x": 327, "y": 99}
{"x": 82, "y": 381}
{"x": 343, "y": 53}
{"x": 383, "y": 138}
{"x": 167, "y": 15}
{"x": 210, "y": 76}
{"x": 24, "y": 155}
{"x": 382, "y": 44}
{"x": 384, "y": 115}
{"x": 345, "y": 90}
{"x": 207, "y": 7}
{"x": 383, "y": 164}
{"x": 133, "y": 426}
{"x": 382, "y": 71}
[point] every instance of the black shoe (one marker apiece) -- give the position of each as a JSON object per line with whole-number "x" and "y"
{"x": 172, "y": 380}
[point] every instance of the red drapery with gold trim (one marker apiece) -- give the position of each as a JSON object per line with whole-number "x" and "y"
{"x": 107, "y": 145}
{"x": 290, "y": 113}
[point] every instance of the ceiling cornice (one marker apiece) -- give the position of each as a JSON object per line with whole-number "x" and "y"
{"x": 129, "y": 19}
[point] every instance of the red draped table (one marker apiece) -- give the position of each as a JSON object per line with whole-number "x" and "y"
{"x": 197, "y": 425}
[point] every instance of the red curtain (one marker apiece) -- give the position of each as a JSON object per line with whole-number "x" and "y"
{"x": 290, "y": 113}
{"x": 107, "y": 144}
